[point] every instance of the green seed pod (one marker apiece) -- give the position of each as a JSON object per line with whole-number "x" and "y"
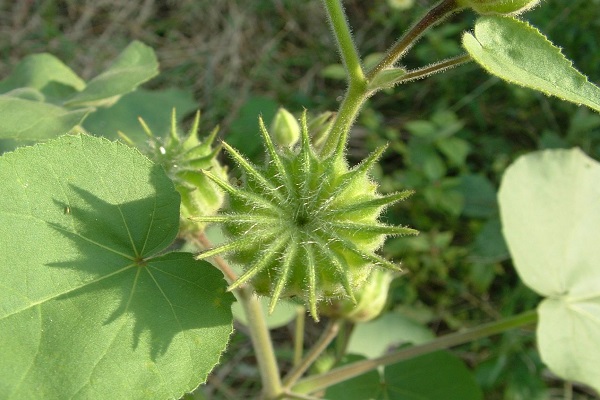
{"x": 285, "y": 128}
{"x": 304, "y": 225}
{"x": 502, "y": 7}
{"x": 370, "y": 299}
{"x": 184, "y": 159}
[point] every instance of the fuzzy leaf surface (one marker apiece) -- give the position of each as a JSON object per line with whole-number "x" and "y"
{"x": 518, "y": 53}
{"x": 90, "y": 307}
{"x": 551, "y": 220}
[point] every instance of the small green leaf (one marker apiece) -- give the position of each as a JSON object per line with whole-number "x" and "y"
{"x": 90, "y": 307}
{"x": 518, "y": 53}
{"x": 134, "y": 66}
{"x": 551, "y": 219}
{"x": 39, "y": 71}
{"x": 24, "y": 119}
{"x": 386, "y": 78}
{"x": 434, "y": 376}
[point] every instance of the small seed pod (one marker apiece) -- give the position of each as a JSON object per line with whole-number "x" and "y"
{"x": 304, "y": 225}
{"x": 502, "y": 7}
{"x": 184, "y": 158}
{"x": 370, "y": 299}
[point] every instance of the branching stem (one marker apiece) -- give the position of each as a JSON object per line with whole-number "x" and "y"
{"x": 320, "y": 382}
{"x": 436, "y": 14}
{"x": 328, "y": 335}
{"x": 433, "y": 68}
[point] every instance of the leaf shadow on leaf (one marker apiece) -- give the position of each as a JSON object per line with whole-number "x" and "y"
{"x": 156, "y": 296}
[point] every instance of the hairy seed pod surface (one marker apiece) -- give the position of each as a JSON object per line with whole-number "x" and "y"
{"x": 304, "y": 225}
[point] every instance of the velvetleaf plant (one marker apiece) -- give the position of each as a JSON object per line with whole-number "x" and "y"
{"x": 304, "y": 224}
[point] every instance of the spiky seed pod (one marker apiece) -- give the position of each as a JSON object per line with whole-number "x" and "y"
{"x": 501, "y": 7}
{"x": 184, "y": 158}
{"x": 304, "y": 225}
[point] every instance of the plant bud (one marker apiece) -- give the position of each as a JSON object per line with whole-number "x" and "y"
{"x": 285, "y": 128}
{"x": 370, "y": 299}
{"x": 184, "y": 158}
{"x": 503, "y": 7}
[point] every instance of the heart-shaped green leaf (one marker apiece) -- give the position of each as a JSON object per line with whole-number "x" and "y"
{"x": 550, "y": 210}
{"x": 90, "y": 307}
{"x": 135, "y": 65}
{"x": 518, "y": 53}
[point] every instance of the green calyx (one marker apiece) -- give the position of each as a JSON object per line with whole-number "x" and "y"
{"x": 502, "y": 7}
{"x": 184, "y": 158}
{"x": 304, "y": 225}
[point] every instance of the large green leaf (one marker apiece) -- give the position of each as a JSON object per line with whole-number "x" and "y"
{"x": 517, "y": 52}
{"x": 90, "y": 307}
{"x": 550, "y": 210}
{"x": 135, "y": 65}
{"x": 434, "y": 376}
{"x": 24, "y": 119}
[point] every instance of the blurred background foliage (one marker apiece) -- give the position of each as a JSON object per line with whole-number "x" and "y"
{"x": 451, "y": 137}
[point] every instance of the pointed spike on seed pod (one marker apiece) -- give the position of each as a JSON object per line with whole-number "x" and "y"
{"x": 125, "y": 138}
{"x": 145, "y": 128}
{"x": 191, "y": 140}
{"x": 173, "y": 131}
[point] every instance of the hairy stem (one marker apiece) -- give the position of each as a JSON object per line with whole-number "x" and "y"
{"x": 356, "y": 94}
{"x": 341, "y": 32}
{"x": 433, "y": 68}
{"x": 319, "y": 382}
{"x": 435, "y": 15}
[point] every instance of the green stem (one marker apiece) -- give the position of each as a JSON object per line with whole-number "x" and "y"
{"x": 435, "y": 15}
{"x": 328, "y": 335}
{"x": 262, "y": 344}
{"x": 299, "y": 334}
{"x": 353, "y": 101}
{"x": 356, "y": 94}
{"x": 341, "y": 31}
{"x": 319, "y": 382}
